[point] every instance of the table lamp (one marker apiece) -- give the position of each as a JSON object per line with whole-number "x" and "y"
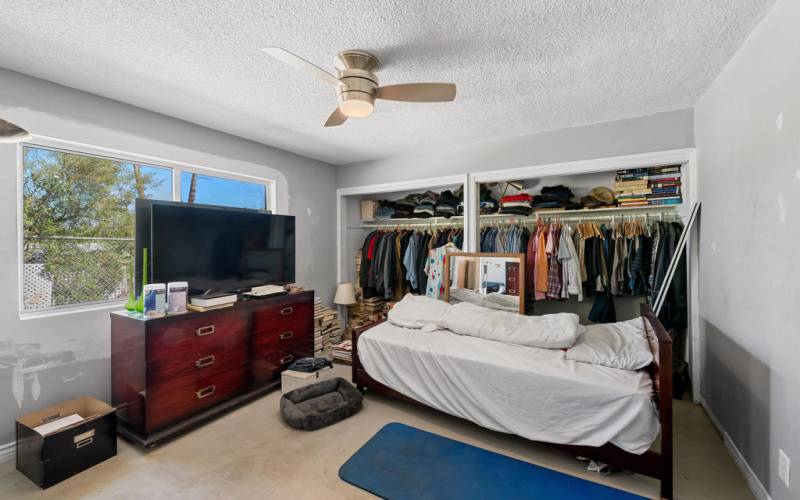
{"x": 345, "y": 294}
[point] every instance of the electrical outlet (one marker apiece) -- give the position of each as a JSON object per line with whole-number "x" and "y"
{"x": 784, "y": 467}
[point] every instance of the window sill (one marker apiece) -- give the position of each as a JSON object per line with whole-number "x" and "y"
{"x": 24, "y": 316}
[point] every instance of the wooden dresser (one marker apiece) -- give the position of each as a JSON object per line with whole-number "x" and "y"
{"x": 170, "y": 374}
{"x": 512, "y": 278}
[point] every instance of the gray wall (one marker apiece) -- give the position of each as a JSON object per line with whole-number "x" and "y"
{"x": 748, "y": 141}
{"x": 305, "y": 189}
{"x": 659, "y": 132}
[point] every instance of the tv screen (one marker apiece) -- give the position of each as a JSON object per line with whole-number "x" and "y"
{"x": 220, "y": 249}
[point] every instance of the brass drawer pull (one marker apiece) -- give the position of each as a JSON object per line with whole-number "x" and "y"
{"x": 85, "y": 442}
{"x": 512, "y": 279}
{"x": 287, "y": 310}
{"x": 205, "y": 391}
{"x": 287, "y": 359}
{"x": 287, "y": 335}
{"x": 84, "y": 439}
{"x": 204, "y": 330}
{"x": 205, "y": 361}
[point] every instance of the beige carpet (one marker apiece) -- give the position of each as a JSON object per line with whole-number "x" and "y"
{"x": 251, "y": 453}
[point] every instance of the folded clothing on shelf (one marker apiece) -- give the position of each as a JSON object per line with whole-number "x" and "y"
{"x": 426, "y": 205}
{"x": 404, "y": 207}
{"x": 385, "y": 210}
{"x": 552, "y": 197}
{"x": 516, "y": 210}
{"x": 559, "y": 192}
{"x": 488, "y": 205}
{"x": 516, "y": 204}
{"x": 446, "y": 205}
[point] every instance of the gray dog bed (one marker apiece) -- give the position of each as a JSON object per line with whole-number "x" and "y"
{"x": 318, "y": 405}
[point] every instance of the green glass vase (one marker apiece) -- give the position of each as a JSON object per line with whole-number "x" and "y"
{"x": 130, "y": 305}
{"x": 140, "y": 300}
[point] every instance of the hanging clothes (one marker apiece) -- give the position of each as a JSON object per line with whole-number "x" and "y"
{"x": 393, "y": 262}
{"x": 506, "y": 239}
{"x": 435, "y": 270}
{"x": 568, "y": 259}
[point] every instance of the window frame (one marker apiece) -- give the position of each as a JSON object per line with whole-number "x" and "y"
{"x": 77, "y": 148}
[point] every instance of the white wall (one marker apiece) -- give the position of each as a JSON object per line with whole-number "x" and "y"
{"x": 659, "y": 132}
{"x": 306, "y": 189}
{"x": 748, "y": 142}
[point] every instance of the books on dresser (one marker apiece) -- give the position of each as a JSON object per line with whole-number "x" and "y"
{"x": 214, "y": 299}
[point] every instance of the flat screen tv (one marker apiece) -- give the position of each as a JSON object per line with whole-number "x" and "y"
{"x": 215, "y": 249}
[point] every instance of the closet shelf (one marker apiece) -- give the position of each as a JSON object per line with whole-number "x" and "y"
{"x": 605, "y": 213}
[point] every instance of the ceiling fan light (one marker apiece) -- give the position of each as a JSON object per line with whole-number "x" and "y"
{"x": 356, "y": 108}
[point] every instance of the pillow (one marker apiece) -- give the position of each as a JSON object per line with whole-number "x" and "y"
{"x": 620, "y": 345}
{"x": 418, "y": 311}
{"x": 549, "y": 331}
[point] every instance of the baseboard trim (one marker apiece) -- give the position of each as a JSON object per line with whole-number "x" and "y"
{"x": 756, "y": 487}
{"x": 8, "y": 452}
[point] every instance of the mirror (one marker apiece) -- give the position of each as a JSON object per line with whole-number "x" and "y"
{"x": 495, "y": 280}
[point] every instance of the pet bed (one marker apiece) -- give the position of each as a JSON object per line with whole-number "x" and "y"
{"x": 318, "y": 405}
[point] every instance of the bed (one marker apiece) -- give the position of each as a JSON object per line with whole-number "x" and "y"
{"x": 614, "y": 416}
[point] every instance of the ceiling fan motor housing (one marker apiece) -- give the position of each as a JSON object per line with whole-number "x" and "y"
{"x": 356, "y": 71}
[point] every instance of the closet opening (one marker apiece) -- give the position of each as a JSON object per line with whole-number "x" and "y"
{"x": 597, "y": 244}
{"x": 388, "y": 238}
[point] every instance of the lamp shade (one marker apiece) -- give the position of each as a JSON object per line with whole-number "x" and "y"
{"x": 10, "y": 133}
{"x": 345, "y": 295}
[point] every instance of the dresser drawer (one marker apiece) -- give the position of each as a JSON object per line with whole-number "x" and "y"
{"x": 170, "y": 400}
{"x": 195, "y": 337}
{"x": 273, "y": 352}
{"x": 288, "y": 316}
{"x": 201, "y": 358}
{"x": 299, "y": 348}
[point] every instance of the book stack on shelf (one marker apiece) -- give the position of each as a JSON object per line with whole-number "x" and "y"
{"x": 326, "y": 327}
{"x": 640, "y": 187}
{"x": 343, "y": 352}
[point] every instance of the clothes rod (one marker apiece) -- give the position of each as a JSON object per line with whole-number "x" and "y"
{"x": 404, "y": 225}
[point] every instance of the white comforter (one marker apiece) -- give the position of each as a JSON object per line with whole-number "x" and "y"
{"x": 531, "y": 392}
{"x": 548, "y": 331}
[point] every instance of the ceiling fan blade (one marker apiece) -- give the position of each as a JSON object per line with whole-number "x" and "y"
{"x": 10, "y": 133}
{"x": 301, "y": 64}
{"x": 336, "y": 118}
{"x": 418, "y": 92}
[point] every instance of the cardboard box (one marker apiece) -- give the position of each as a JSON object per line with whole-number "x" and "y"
{"x": 56, "y": 455}
{"x": 291, "y": 380}
{"x": 368, "y": 209}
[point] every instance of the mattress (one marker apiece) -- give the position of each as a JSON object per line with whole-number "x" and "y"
{"x": 533, "y": 393}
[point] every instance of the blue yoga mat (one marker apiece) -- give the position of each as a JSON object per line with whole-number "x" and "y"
{"x": 402, "y": 462}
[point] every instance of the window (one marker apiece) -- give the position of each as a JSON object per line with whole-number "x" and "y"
{"x": 210, "y": 190}
{"x": 78, "y": 221}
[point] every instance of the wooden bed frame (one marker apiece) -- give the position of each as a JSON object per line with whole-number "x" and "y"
{"x": 652, "y": 463}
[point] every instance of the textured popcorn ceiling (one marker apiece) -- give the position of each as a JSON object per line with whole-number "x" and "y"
{"x": 520, "y": 66}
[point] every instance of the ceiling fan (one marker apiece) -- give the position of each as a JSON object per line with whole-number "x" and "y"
{"x": 357, "y": 85}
